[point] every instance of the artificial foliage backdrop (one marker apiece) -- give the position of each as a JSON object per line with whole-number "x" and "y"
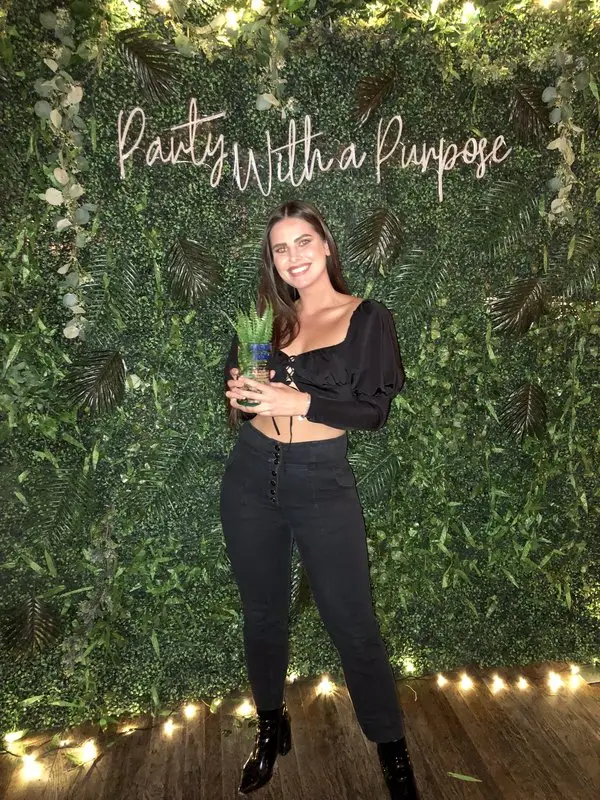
{"x": 480, "y": 495}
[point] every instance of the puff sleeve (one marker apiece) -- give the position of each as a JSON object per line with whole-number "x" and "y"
{"x": 230, "y": 362}
{"x": 377, "y": 374}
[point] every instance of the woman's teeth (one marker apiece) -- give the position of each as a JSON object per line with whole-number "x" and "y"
{"x": 298, "y": 270}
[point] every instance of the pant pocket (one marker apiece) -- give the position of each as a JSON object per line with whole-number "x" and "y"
{"x": 344, "y": 475}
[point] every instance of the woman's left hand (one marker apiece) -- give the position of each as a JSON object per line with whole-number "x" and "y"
{"x": 276, "y": 399}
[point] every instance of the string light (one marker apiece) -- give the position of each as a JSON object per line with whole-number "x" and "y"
{"x": 325, "y": 687}
{"x": 554, "y": 681}
{"x": 13, "y": 736}
{"x": 574, "y": 669}
{"x": 409, "y": 665}
{"x": 293, "y": 676}
{"x": 465, "y": 682}
{"x": 257, "y": 6}
{"x": 468, "y": 12}
{"x": 32, "y": 769}
{"x": 522, "y": 683}
{"x": 441, "y": 681}
{"x": 244, "y": 709}
{"x": 231, "y": 16}
{"x": 498, "y": 684}
{"x": 190, "y": 711}
{"x": 169, "y": 727}
{"x": 88, "y": 751}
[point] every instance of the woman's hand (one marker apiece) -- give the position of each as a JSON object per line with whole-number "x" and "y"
{"x": 276, "y": 399}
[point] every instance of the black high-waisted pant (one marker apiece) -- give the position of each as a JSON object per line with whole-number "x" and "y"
{"x": 273, "y": 491}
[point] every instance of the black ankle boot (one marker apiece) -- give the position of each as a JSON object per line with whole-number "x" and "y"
{"x": 397, "y": 770}
{"x": 273, "y": 735}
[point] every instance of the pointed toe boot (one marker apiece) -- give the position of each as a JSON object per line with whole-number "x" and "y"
{"x": 397, "y": 770}
{"x": 273, "y": 737}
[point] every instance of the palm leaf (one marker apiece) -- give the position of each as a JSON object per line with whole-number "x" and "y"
{"x": 375, "y": 241}
{"x": 573, "y": 271}
{"x": 191, "y": 271}
{"x": 165, "y": 477}
{"x": 60, "y": 502}
{"x": 519, "y": 306}
{"x": 370, "y": 94}
{"x": 509, "y": 210}
{"x": 301, "y": 595}
{"x": 110, "y": 296}
{"x": 524, "y": 412}
{"x": 30, "y": 627}
{"x": 419, "y": 280}
{"x": 376, "y": 471}
{"x": 529, "y": 114}
{"x": 152, "y": 61}
{"x": 97, "y": 381}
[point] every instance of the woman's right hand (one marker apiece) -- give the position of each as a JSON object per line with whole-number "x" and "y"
{"x": 236, "y": 383}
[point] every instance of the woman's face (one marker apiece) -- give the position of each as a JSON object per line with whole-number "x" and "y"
{"x": 299, "y": 253}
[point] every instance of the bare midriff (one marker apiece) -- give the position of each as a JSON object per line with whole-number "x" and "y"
{"x": 303, "y": 429}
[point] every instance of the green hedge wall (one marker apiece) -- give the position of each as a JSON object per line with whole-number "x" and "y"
{"x": 483, "y": 547}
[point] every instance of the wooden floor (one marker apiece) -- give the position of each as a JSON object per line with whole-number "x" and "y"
{"x": 519, "y": 745}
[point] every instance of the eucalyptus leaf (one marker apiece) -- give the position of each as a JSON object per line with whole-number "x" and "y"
{"x": 549, "y": 94}
{"x": 53, "y": 196}
{"x": 63, "y": 224}
{"x": 43, "y": 109}
{"x": 55, "y": 118}
{"x": 82, "y": 216}
{"x": 61, "y": 175}
{"x": 48, "y": 20}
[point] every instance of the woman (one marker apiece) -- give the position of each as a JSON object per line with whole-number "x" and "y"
{"x": 340, "y": 370}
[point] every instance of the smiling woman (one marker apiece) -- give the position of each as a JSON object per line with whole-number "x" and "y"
{"x": 348, "y": 368}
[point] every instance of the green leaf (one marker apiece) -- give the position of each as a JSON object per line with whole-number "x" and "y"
{"x": 155, "y": 645}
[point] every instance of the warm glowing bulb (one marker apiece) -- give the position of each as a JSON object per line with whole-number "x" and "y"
{"x": 546, "y": 3}
{"x": 293, "y": 676}
{"x": 441, "y": 681}
{"x": 468, "y": 12}
{"x": 190, "y": 711}
{"x": 13, "y": 736}
{"x": 574, "y": 669}
{"x": 522, "y": 683}
{"x": 244, "y": 709}
{"x": 87, "y": 751}
{"x": 257, "y": 6}
{"x": 465, "y": 682}
{"x": 554, "y": 681}
{"x": 169, "y": 727}
{"x": 325, "y": 686}
{"x": 409, "y": 665}
{"x": 231, "y": 18}
{"x": 575, "y": 680}
{"x": 32, "y": 769}
{"x": 435, "y": 4}
{"x": 498, "y": 684}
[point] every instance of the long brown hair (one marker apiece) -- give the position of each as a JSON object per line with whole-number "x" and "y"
{"x": 272, "y": 288}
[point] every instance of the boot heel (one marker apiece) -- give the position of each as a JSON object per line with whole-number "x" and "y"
{"x": 285, "y": 737}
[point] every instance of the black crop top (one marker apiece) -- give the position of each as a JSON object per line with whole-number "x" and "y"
{"x": 351, "y": 383}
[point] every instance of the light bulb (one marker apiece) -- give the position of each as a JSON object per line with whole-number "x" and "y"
{"x": 244, "y": 709}
{"x": 293, "y": 676}
{"x": 325, "y": 686}
{"x": 190, "y": 711}
{"x": 169, "y": 727}
{"x": 554, "y": 681}
{"x": 498, "y": 684}
{"x": 465, "y": 682}
{"x": 441, "y": 681}
{"x": 468, "y": 12}
{"x": 522, "y": 683}
{"x": 32, "y": 769}
{"x": 88, "y": 751}
{"x": 231, "y": 18}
